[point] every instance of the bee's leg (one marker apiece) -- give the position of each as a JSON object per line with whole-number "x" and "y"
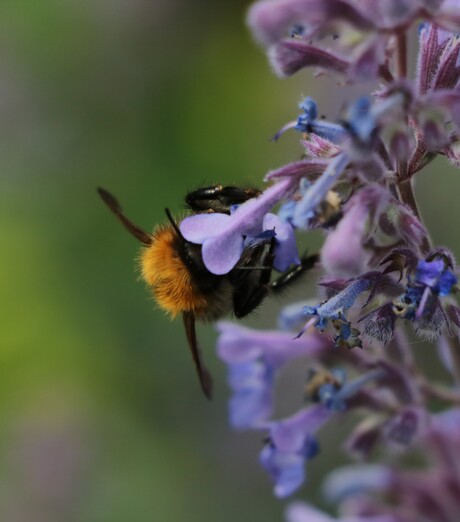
{"x": 249, "y": 294}
{"x": 285, "y": 279}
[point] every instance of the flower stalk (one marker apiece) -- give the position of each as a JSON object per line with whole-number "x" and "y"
{"x": 381, "y": 274}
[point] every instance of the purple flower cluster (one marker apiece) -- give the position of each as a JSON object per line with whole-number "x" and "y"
{"x": 381, "y": 274}
{"x": 431, "y": 494}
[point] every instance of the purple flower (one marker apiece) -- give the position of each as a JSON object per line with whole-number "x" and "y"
{"x": 252, "y": 400}
{"x": 305, "y": 208}
{"x": 343, "y": 252}
{"x": 405, "y": 225}
{"x": 222, "y": 235}
{"x": 354, "y": 181}
{"x": 334, "y": 310}
{"x": 290, "y": 55}
{"x": 292, "y": 316}
{"x": 307, "y": 123}
{"x": 300, "y": 512}
{"x": 363, "y": 121}
{"x": 332, "y": 389}
{"x": 448, "y": 15}
{"x": 446, "y": 424}
{"x": 291, "y": 443}
{"x": 356, "y": 480}
{"x": 287, "y": 469}
{"x": 293, "y": 32}
{"x": 435, "y": 275}
{"x": 335, "y": 398}
{"x": 380, "y": 323}
{"x": 361, "y": 124}
{"x": 420, "y": 303}
{"x": 407, "y": 425}
{"x": 286, "y": 253}
{"x": 253, "y": 358}
{"x": 307, "y": 169}
{"x": 272, "y": 20}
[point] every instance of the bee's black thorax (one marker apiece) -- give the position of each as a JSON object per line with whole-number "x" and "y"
{"x": 217, "y": 198}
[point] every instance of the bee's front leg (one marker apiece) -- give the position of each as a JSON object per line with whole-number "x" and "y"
{"x": 288, "y": 277}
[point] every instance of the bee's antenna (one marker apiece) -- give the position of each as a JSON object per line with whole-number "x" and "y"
{"x": 115, "y": 207}
{"x": 174, "y": 224}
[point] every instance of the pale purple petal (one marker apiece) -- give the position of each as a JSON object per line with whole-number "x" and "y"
{"x": 299, "y": 169}
{"x": 289, "y": 434}
{"x": 293, "y": 315}
{"x": 221, "y": 253}
{"x": 356, "y": 479}
{"x": 449, "y": 15}
{"x": 352, "y": 388}
{"x": 199, "y": 227}
{"x": 343, "y": 253}
{"x": 447, "y": 423}
{"x": 299, "y": 512}
{"x": 288, "y": 126}
{"x": 238, "y": 344}
{"x": 319, "y": 189}
{"x": 286, "y": 253}
{"x": 271, "y": 20}
{"x": 251, "y": 403}
{"x": 341, "y": 302}
{"x": 289, "y": 56}
{"x": 406, "y": 426}
{"x": 287, "y": 470}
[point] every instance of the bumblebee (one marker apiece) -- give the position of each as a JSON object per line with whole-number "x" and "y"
{"x": 173, "y": 269}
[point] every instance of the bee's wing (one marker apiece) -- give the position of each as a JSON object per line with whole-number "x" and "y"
{"x": 115, "y": 207}
{"x": 203, "y": 374}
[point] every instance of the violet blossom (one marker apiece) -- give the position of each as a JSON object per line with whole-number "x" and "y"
{"x": 353, "y": 180}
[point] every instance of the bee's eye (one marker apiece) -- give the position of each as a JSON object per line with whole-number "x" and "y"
{"x": 191, "y": 256}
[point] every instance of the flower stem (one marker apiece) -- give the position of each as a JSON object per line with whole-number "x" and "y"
{"x": 401, "y": 55}
{"x": 401, "y": 73}
{"x": 406, "y": 195}
{"x": 454, "y": 349}
{"x": 439, "y": 392}
{"x": 401, "y": 342}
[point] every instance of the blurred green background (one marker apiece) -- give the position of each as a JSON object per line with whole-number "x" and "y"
{"x": 101, "y": 416}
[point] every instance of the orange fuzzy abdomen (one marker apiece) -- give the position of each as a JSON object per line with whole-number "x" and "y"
{"x": 165, "y": 272}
